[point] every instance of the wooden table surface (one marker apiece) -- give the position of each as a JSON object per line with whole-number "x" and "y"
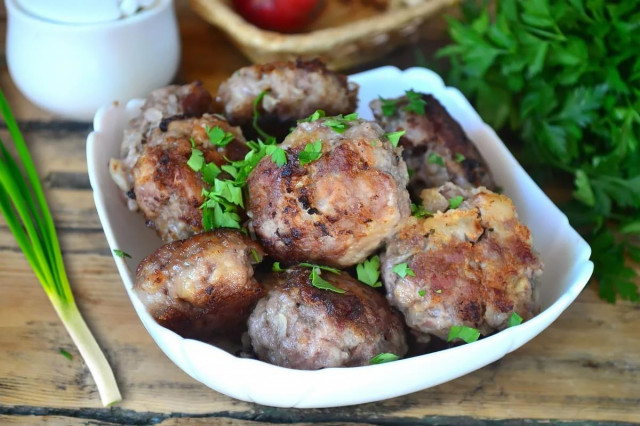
{"x": 585, "y": 367}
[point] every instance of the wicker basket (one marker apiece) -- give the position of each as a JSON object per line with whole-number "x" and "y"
{"x": 341, "y": 46}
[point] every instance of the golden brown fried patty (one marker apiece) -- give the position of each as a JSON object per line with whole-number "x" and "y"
{"x": 337, "y": 209}
{"x": 473, "y": 266}
{"x": 167, "y": 190}
{"x": 432, "y": 135}
{"x": 297, "y": 325}
{"x": 295, "y": 91}
{"x": 201, "y": 287}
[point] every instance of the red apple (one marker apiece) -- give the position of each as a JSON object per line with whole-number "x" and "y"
{"x": 286, "y": 16}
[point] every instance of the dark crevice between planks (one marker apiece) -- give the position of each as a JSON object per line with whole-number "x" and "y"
{"x": 282, "y": 416}
{"x": 68, "y": 180}
{"x": 56, "y": 126}
{"x": 69, "y": 229}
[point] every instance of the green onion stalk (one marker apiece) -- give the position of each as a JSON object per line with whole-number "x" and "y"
{"x": 26, "y": 213}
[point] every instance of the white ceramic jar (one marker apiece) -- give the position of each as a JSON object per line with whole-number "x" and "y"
{"x": 73, "y": 69}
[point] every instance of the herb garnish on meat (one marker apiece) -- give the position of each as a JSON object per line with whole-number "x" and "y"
{"x": 403, "y": 270}
{"x": 394, "y": 137}
{"x": 462, "y": 332}
{"x": 515, "y": 319}
{"x": 369, "y": 272}
{"x": 383, "y": 357}
{"x": 312, "y": 151}
{"x": 455, "y": 202}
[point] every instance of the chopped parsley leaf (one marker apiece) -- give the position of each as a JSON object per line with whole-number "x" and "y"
{"x": 455, "y": 202}
{"x": 435, "y": 159}
{"x": 318, "y": 114}
{"x": 312, "y": 151}
{"x": 459, "y": 157}
{"x": 276, "y": 267}
{"x": 402, "y": 269}
{"x": 394, "y": 137}
{"x": 339, "y": 123}
{"x": 209, "y": 172}
{"x": 419, "y": 211}
{"x": 219, "y": 137}
{"x": 231, "y": 170}
{"x": 277, "y": 154}
{"x": 121, "y": 254}
{"x": 514, "y": 319}
{"x": 226, "y": 190}
{"x": 318, "y": 282}
{"x": 196, "y": 161}
{"x": 325, "y": 268}
{"x": 422, "y": 292}
{"x": 383, "y": 357}
{"x": 467, "y": 334}
{"x": 220, "y": 218}
{"x": 388, "y": 106}
{"x": 66, "y": 354}
{"x": 256, "y": 115}
{"x": 256, "y": 256}
{"x": 416, "y": 103}
{"x": 369, "y": 272}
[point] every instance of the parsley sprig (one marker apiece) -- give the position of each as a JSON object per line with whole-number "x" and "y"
{"x": 388, "y": 106}
{"x": 416, "y": 103}
{"x": 311, "y": 152}
{"x": 565, "y": 76}
{"x": 219, "y": 137}
{"x": 224, "y": 197}
{"x": 435, "y": 159}
{"x": 394, "y": 137}
{"x": 369, "y": 272}
{"x": 317, "y": 115}
{"x": 514, "y": 319}
{"x": 419, "y": 211}
{"x": 318, "y": 282}
{"x": 315, "y": 275}
{"x": 381, "y": 358}
{"x": 403, "y": 270}
{"x": 339, "y": 123}
{"x": 464, "y": 333}
{"x": 455, "y": 202}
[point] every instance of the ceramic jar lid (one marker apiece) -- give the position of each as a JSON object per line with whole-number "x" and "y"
{"x": 78, "y": 12}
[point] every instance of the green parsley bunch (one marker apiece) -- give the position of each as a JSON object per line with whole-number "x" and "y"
{"x": 564, "y": 75}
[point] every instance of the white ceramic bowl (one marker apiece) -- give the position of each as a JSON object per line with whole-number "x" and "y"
{"x": 73, "y": 70}
{"x": 564, "y": 252}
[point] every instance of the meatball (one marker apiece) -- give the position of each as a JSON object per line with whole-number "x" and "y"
{"x": 297, "y": 325}
{"x": 473, "y": 266}
{"x": 166, "y": 189}
{"x": 436, "y": 148}
{"x": 337, "y": 209}
{"x": 191, "y": 100}
{"x": 202, "y": 287}
{"x": 295, "y": 90}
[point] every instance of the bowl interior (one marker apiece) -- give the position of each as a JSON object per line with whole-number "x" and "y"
{"x": 564, "y": 253}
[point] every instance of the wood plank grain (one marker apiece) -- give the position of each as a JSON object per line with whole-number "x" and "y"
{"x": 49, "y": 420}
